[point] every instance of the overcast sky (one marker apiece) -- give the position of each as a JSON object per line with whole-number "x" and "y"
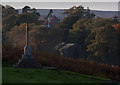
{"x": 104, "y": 6}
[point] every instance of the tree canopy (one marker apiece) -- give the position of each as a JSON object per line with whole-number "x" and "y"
{"x": 99, "y": 37}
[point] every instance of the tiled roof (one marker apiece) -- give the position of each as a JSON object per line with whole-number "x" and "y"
{"x": 54, "y": 18}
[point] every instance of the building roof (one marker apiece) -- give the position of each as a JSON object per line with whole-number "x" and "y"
{"x": 65, "y": 46}
{"x": 52, "y": 21}
{"x": 54, "y": 18}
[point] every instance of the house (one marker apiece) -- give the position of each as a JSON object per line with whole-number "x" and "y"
{"x": 72, "y": 50}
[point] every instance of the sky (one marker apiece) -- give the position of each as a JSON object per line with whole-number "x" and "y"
{"x": 112, "y": 5}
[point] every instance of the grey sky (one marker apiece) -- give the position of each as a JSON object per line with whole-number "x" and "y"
{"x": 104, "y": 6}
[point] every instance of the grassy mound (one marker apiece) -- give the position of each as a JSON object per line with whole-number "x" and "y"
{"x": 20, "y": 75}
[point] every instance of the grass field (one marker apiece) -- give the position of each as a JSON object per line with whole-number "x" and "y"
{"x": 18, "y": 75}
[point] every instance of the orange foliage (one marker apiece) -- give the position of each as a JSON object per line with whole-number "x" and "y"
{"x": 117, "y": 27}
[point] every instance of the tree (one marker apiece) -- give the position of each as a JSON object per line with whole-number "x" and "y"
{"x": 79, "y": 11}
{"x": 99, "y": 39}
{"x": 34, "y": 11}
{"x": 8, "y": 10}
{"x": 117, "y": 27}
{"x": 11, "y": 18}
{"x": 115, "y": 18}
{"x": 88, "y": 14}
{"x": 104, "y": 48}
{"x": 99, "y": 22}
{"x": 79, "y": 32}
{"x": 26, "y": 9}
{"x": 93, "y": 24}
{"x": 75, "y": 11}
{"x": 45, "y": 39}
{"x": 73, "y": 15}
{"x": 68, "y": 22}
{"x": 27, "y": 17}
{"x": 16, "y": 36}
{"x": 9, "y": 22}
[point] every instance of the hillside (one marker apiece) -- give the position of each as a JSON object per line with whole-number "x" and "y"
{"x": 12, "y": 75}
{"x": 105, "y": 14}
{"x": 58, "y": 13}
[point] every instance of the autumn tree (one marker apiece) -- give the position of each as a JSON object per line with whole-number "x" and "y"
{"x": 96, "y": 23}
{"x": 45, "y": 39}
{"x": 79, "y": 32}
{"x": 117, "y": 27}
{"x": 9, "y": 22}
{"x": 73, "y": 15}
{"x": 79, "y": 11}
{"x": 104, "y": 48}
{"x": 16, "y": 36}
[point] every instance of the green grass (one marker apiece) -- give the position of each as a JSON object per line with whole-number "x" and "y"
{"x": 20, "y": 75}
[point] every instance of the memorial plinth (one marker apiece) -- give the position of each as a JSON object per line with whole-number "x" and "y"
{"x": 27, "y": 60}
